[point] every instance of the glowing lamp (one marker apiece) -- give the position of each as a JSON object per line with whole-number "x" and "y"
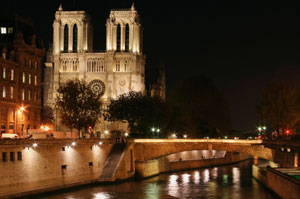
{"x": 34, "y": 145}
{"x": 106, "y": 131}
{"x": 73, "y": 143}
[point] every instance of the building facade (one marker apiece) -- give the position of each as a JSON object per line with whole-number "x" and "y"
{"x": 20, "y": 76}
{"x": 118, "y": 70}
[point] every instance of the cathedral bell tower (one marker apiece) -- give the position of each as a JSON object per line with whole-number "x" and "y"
{"x": 72, "y": 32}
{"x": 124, "y": 31}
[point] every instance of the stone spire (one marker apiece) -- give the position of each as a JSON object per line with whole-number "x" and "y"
{"x": 60, "y": 7}
{"x": 132, "y": 7}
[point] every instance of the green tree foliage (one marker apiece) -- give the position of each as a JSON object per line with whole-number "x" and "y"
{"x": 141, "y": 112}
{"x": 280, "y": 106}
{"x": 78, "y": 106}
{"x": 199, "y": 109}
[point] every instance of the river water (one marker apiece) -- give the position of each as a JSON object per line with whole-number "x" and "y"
{"x": 225, "y": 182}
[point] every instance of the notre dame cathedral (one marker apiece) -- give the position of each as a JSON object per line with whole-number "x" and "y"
{"x": 118, "y": 70}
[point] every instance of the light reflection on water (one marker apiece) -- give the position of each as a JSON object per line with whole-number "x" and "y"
{"x": 225, "y": 182}
{"x": 102, "y": 196}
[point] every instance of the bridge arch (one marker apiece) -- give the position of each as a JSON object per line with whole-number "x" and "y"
{"x": 148, "y": 149}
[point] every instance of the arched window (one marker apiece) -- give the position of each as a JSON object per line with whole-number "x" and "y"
{"x": 75, "y": 35}
{"x": 4, "y": 92}
{"x": 66, "y": 38}
{"x": 11, "y": 92}
{"x": 126, "y": 65}
{"x": 118, "y": 68}
{"x": 119, "y": 38}
{"x": 127, "y": 38}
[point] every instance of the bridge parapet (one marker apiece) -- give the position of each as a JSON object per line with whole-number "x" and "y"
{"x": 199, "y": 141}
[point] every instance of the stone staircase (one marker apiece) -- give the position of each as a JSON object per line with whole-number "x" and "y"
{"x": 112, "y": 162}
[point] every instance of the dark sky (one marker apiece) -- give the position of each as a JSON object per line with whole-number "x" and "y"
{"x": 241, "y": 46}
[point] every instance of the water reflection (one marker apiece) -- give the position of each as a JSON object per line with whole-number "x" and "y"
{"x": 196, "y": 177}
{"x": 173, "y": 186}
{"x": 205, "y": 175}
{"x": 152, "y": 191}
{"x": 226, "y": 182}
{"x": 185, "y": 178}
{"x": 101, "y": 196}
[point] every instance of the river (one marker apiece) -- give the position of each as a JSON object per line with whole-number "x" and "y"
{"x": 224, "y": 182}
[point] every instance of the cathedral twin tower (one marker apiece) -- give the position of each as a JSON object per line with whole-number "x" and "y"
{"x": 118, "y": 70}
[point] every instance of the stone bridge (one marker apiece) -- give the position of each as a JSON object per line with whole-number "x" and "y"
{"x": 147, "y": 149}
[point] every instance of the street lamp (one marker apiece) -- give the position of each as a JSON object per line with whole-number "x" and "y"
{"x": 261, "y": 130}
{"x": 22, "y": 108}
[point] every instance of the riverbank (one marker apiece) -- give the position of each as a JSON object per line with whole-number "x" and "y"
{"x": 230, "y": 181}
{"x": 36, "y": 166}
{"x": 277, "y": 180}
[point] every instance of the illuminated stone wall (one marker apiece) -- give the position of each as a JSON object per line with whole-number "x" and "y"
{"x": 49, "y": 165}
{"x": 161, "y": 165}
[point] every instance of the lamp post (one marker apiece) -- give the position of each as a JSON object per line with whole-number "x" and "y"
{"x": 261, "y": 130}
{"x": 153, "y": 130}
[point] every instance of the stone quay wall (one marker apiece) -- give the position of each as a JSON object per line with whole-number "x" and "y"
{"x": 53, "y": 164}
{"x": 283, "y": 185}
{"x": 153, "y": 167}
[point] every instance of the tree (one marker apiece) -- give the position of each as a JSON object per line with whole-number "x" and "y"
{"x": 199, "y": 108}
{"x": 47, "y": 115}
{"x": 141, "y": 112}
{"x": 77, "y": 105}
{"x": 280, "y": 106}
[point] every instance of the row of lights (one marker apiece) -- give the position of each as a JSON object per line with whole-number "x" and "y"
{"x": 175, "y": 136}
{"x": 73, "y": 144}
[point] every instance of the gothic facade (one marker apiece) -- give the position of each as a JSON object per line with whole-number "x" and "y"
{"x": 118, "y": 70}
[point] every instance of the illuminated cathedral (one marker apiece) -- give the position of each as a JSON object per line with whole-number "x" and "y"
{"x": 118, "y": 70}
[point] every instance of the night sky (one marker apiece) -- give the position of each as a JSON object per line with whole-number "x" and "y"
{"x": 241, "y": 46}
